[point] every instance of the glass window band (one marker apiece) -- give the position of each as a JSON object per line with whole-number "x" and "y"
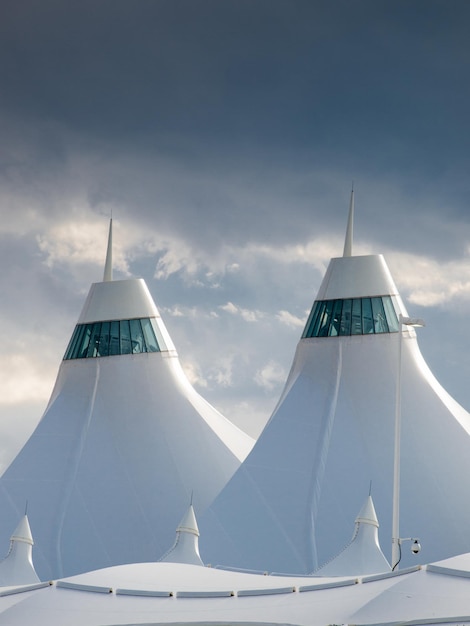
{"x": 351, "y": 316}
{"x": 113, "y": 337}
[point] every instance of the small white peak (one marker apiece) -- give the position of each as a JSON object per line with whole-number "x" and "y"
{"x": 348, "y": 242}
{"x": 108, "y": 266}
{"x": 189, "y": 524}
{"x": 17, "y": 567}
{"x": 23, "y": 532}
{"x": 367, "y": 514}
{"x": 363, "y": 554}
{"x": 186, "y": 546}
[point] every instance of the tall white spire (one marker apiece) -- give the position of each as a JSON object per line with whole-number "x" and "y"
{"x": 349, "y": 231}
{"x": 108, "y": 266}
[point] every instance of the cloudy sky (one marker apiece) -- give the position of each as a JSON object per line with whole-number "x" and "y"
{"x": 224, "y": 136}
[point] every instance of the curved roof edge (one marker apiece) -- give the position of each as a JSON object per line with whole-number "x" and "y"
{"x": 357, "y": 277}
{"x": 118, "y": 299}
{"x": 122, "y": 300}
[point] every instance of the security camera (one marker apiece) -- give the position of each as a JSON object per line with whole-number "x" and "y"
{"x": 415, "y": 546}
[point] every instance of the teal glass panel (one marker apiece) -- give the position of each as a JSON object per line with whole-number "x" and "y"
{"x": 94, "y": 343}
{"x": 149, "y": 335}
{"x": 114, "y": 343}
{"x": 320, "y": 312}
{"x": 83, "y": 349}
{"x": 83, "y": 341}
{"x": 380, "y": 323}
{"x": 137, "y": 337}
{"x": 345, "y": 327}
{"x": 367, "y": 319}
{"x": 325, "y": 319}
{"x": 390, "y": 314}
{"x": 356, "y": 316}
{"x": 335, "y": 318}
{"x": 104, "y": 339}
{"x": 125, "y": 337}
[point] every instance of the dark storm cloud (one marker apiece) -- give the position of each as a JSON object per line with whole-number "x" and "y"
{"x": 322, "y": 73}
{"x": 211, "y": 103}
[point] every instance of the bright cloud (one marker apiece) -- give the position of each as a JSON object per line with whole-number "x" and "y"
{"x": 25, "y": 378}
{"x": 177, "y": 258}
{"x": 288, "y": 319}
{"x": 270, "y": 376}
{"x": 428, "y": 282}
{"x": 194, "y": 373}
{"x": 246, "y": 314}
{"x": 222, "y": 371}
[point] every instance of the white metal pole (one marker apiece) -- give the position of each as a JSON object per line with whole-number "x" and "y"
{"x": 396, "y": 459}
{"x": 408, "y": 321}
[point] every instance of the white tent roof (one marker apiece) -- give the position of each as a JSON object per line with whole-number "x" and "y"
{"x": 163, "y": 593}
{"x": 332, "y": 432}
{"x": 124, "y": 442}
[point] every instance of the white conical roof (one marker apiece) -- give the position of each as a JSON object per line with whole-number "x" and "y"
{"x": 363, "y": 555}
{"x": 367, "y": 514}
{"x": 23, "y": 532}
{"x": 357, "y": 277}
{"x": 124, "y": 441}
{"x": 189, "y": 524}
{"x": 186, "y": 546}
{"x": 289, "y": 506}
{"x": 17, "y": 567}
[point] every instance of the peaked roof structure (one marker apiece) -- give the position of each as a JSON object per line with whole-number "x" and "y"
{"x": 332, "y": 432}
{"x": 363, "y": 554}
{"x": 123, "y": 443}
{"x": 186, "y": 546}
{"x": 17, "y": 567}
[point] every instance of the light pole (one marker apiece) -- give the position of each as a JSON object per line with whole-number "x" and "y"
{"x": 402, "y": 321}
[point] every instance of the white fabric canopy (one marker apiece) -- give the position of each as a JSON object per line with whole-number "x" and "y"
{"x": 289, "y": 506}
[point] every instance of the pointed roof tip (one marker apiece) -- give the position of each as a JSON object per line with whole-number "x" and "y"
{"x": 23, "y": 531}
{"x": 363, "y": 554}
{"x": 348, "y": 242}
{"x": 108, "y": 266}
{"x": 367, "y": 514}
{"x": 186, "y": 546}
{"x": 189, "y": 524}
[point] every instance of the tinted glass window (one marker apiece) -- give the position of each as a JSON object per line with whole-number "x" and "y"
{"x": 149, "y": 334}
{"x": 125, "y": 337}
{"x": 353, "y": 316}
{"x": 114, "y": 343}
{"x": 380, "y": 323}
{"x": 137, "y": 338}
{"x": 356, "y": 317}
{"x": 111, "y": 338}
{"x": 345, "y": 327}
